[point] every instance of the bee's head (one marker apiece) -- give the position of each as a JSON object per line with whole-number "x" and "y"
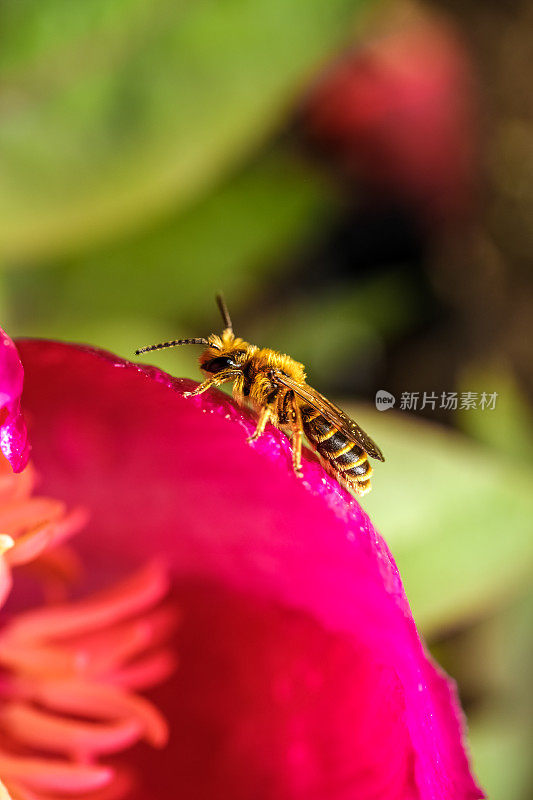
{"x": 224, "y": 352}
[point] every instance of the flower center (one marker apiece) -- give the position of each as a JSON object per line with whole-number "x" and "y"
{"x": 70, "y": 671}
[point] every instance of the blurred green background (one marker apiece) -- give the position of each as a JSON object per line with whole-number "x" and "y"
{"x": 357, "y": 177}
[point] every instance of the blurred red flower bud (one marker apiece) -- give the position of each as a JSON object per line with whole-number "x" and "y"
{"x": 401, "y": 115}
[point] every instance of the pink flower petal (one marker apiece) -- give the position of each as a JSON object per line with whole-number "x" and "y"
{"x": 13, "y": 435}
{"x": 301, "y": 670}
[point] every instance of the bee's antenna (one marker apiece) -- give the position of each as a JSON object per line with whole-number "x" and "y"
{"x": 173, "y": 343}
{"x": 224, "y": 311}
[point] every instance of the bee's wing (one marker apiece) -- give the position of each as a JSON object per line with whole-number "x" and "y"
{"x": 332, "y": 413}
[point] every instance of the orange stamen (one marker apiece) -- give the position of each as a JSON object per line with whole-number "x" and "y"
{"x": 70, "y": 669}
{"x": 132, "y": 596}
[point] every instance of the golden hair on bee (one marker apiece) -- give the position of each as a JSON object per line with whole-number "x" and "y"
{"x": 274, "y": 384}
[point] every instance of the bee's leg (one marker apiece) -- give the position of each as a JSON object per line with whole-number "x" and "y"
{"x": 297, "y": 436}
{"x": 238, "y": 390}
{"x": 264, "y": 416}
{"x": 216, "y": 380}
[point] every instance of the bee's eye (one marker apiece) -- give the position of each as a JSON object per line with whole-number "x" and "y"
{"x": 219, "y": 363}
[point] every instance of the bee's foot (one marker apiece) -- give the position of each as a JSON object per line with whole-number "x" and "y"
{"x": 188, "y": 394}
{"x": 298, "y": 472}
{"x": 253, "y": 438}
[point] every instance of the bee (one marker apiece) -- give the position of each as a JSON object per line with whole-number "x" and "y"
{"x": 274, "y": 385}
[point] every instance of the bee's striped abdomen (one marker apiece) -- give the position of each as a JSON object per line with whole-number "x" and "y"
{"x": 343, "y": 457}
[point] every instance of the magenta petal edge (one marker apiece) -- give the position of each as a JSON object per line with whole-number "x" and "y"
{"x": 13, "y": 435}
{"x": 174, "y": 478}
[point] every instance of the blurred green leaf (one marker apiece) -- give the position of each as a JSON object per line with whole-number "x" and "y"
{"x": 343, "y": 326}
{"x": 231, "y": 241}
{"x": 114, "y": 109}
{"x": 458, "y": 518}
{"x": 509, "y": 427}
{"x": 501, "y": 753}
